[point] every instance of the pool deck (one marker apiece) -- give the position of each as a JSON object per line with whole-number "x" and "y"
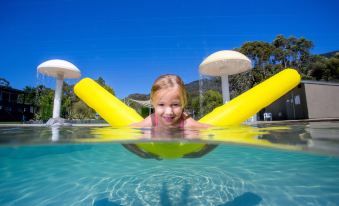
{"x": 291, "y": 121}
{"x": 106, "y": 125}
{"x": 44, "y": 125}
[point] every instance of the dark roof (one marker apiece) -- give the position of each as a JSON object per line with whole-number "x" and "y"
{"x": 320, "y": 82}
{"x": 10, "y": 89}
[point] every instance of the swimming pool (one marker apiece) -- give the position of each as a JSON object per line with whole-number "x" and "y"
{"x": 39, "y": 166}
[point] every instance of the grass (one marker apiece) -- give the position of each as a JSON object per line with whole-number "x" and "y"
{"x": 10, "y": 122}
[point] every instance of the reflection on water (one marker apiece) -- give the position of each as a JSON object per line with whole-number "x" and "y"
{"x": 320, "y": 137}
{"x": 55, "y": 134}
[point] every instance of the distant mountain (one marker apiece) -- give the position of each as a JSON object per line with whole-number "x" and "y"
{"x": 192, "y": 88}
{"x": 206, "y": 84}
{"x": 138, "y": 96}
{"x": 329, "y": 54}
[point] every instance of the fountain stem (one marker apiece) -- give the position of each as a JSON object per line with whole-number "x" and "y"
{"x": 225, "y": 88}
{"x": 60, "y": 69}
{"x": 58, "y": 95}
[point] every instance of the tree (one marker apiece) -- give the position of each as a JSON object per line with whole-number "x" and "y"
{"x": 29, "y": 96}
{"x": 45, "y": 103}
{"x": 81, "y": 111}
{"x": 258, "y": 51}
{"x": 292, "y": 52}
{"x": 68, "y": 98}
{"x": 333, "y": 67}
{"x": 209, "y": 100}
{"x": 73, "y": 107}
{"x": 102, "y": 82}
{"x": 323, "y": 68}
{"x": 270, "y": 58}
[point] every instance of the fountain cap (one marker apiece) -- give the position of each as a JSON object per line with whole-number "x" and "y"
{"x": 57, "y": 67}
{"x": 225, "y": 62}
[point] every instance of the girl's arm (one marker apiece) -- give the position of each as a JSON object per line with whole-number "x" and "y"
{"x": 191, "y": 123}
{"x": 147, "y": 122}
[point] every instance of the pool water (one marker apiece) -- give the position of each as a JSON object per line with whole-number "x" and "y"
{"x": 38, "y": 167}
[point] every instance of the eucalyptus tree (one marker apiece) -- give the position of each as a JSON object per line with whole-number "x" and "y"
{"x": 292, "y": 52}
{"x": 326, "y": 69}
{"x": 270, "y": 58}
{"x": 259, "y": 52}
{"x": 102, "y": 83}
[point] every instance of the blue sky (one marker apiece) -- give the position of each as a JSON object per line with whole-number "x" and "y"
{"x": 130, "y": 43}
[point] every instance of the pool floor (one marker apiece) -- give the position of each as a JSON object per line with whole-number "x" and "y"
{"x": 108, "y": 174}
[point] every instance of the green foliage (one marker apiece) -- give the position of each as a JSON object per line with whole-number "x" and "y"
{"x": 292, "y": 52}
{"x": 81, "y": 111}
{"x": 193, "y": 106}
{"x": 259, "y": 52}
{"x": 270, "y": 58}
{"x": 102, "y": 82}
{"x": 71, "y": 106}
{"x": 209, "y": 100}
{"x": 46, "y": 108}
{"x": 74, "y": 108}
{"x": 30, "y": 95}
{"x": 44, "y": 102}
{"x": 144, "y": 112}
{"x": 325, "y": 68}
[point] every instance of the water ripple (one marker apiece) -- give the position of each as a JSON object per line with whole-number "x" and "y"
{"x": 161, "y": 186}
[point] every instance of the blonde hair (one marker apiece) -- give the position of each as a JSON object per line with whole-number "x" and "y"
{"x": 169, "y": 81}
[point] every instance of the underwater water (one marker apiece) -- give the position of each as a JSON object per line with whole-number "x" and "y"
{"x": 295, "y": 164}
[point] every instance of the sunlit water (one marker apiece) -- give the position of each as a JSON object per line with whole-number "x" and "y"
{"x": 295, "y": 164}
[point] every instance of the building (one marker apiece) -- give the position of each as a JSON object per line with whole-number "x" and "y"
{"x": 309, "y": 100}
{"x": 13, "y": 108}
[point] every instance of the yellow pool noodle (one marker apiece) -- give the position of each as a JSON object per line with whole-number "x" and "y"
{"x": 118, "y": 114}
{"x": 110, "y": 108}
{"x": 252, "y": 101}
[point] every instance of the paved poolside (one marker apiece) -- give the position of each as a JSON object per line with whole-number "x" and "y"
{"x": 106, "y": 124}
{"x": 44, "y": 125}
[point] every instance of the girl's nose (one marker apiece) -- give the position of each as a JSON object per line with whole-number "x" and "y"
{"x": 168, "y": 110}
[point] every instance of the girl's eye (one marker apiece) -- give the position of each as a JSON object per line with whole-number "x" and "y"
{"x": 160, "y": 105}
{"x": 175, "y": 105}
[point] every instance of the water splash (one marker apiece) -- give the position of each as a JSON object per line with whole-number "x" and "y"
{"x": 201, "y": 82}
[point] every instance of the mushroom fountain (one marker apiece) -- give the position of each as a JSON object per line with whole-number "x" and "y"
{"x": 224, "y": 63}
{"x": 60, "y": 69}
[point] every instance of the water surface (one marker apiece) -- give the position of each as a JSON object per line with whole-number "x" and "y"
{"x": 268, "y": 165}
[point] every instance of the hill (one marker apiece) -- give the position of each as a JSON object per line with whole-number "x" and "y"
{"x": 192, "y": 88}
{"x": 329, "y": 54}
{"x": 206, "y": 84}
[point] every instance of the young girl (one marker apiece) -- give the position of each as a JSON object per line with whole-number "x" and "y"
{"x": 169, "y": 98}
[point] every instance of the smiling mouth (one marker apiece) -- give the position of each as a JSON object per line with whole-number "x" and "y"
{"x": 168, "y": 119}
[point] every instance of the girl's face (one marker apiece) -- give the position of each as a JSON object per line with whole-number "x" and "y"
{"x": 168, "y": 107}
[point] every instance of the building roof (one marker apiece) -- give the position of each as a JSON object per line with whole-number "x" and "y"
{"x": 320, "y": 82}
{"x": 10, "y": 89}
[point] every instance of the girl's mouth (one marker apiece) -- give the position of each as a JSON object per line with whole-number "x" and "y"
{"x": 168, "y": 119}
